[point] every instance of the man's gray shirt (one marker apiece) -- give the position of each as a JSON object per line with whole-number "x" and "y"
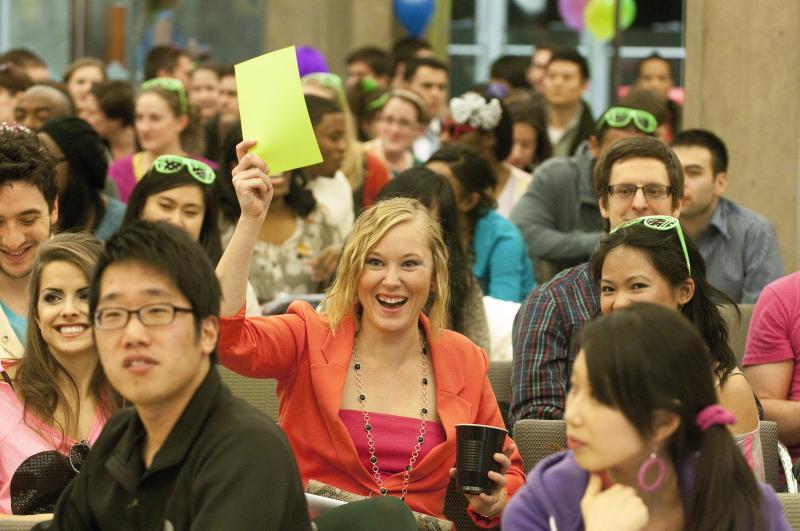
{"x": 741, "y": 252}
{"x": 558, "y": 215}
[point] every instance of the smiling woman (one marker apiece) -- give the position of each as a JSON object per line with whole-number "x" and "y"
{"x": 56, "y": 399}
{"x": 385, "y": 383}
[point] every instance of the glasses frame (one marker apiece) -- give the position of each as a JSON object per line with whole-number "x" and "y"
{"x": 612, "y": 193}
{"x": 206, "y": 174}
{"x": 642, "y": 120}
{"x": 662, "y": 223}
{"x": 138, "y": 311}
{"x": 171, "y": 84}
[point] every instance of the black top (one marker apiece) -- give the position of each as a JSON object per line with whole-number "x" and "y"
{"x": 223, "y": 466}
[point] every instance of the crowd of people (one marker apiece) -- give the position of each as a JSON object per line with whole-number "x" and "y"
{"x": 142, "y": 243}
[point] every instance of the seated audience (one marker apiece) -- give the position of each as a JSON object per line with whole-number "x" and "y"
{"x": 429, "y": 78}
{"x": 654, "y": 73}
{"x": 739, "y": 246}
{"x": 55, "y": 399}
{"x": 13, "y": 82}
{"x": 35, "y": 67}
{"x": 497, "y": 253}
{"x": 398, "y": 375}
{"x": 165, "y": 125}
{"x": 79, "y": 77}
{"x": 227, "y": 113}
{"x": 485, "y": 125}
{"x": 168, "y": 61}
{"x": 531, "y": 144}
{"x": 366, "y": 99}
{"x": 648, "y": 444}
{"x": 80, "y": 177}
{"x": 365, "y": 172}
{"x": 559, "y": 215}
{"x": 109, "y": 108}
{"x": 180, "y": 191}
{"x": 549, "y": 322}
{"x": 537, "y": 68}
{"x": 29, "y": 211}
{"x": 187, "y": 454}
{"x": 648, "y": 260}
{"x": 406, "y": 49}
{"x": 569, "y": 117}
{"x": 772, "y": 357}
{"x": 507, "y": 75}
{"x": 39, "y": 103}
{"x": 368, "y": 61}
{"x": 204, "y": 89}
{"x": 466, "y": 314}
{"x": 402, "y": 120}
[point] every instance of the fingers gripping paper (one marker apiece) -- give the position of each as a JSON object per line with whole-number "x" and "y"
{"x": 273, "y": 111}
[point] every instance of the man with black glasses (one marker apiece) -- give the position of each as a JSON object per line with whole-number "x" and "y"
{"x": 558, "y": 215}
{"x": 188, "y": 454}
{"x": 635, "y": 177}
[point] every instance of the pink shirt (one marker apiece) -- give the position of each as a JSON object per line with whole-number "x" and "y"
{"x": 24, "y": 453}
{"x": 395, "y": 437}
{"x": 774, "y": 333}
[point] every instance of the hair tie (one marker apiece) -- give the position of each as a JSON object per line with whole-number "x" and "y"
{"x": 714, "y": 415}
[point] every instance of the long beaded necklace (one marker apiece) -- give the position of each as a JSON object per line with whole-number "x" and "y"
{"x": 373, "y": 458}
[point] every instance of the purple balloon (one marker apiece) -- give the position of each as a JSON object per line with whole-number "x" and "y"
{"x": 414, "y": 15}
{"x": 571, "y": 12}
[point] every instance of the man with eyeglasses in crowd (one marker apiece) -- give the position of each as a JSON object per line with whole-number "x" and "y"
{"x": 188, "y": 454}
{"x": 558, "y": 215}
{"x": 634, "y": 177}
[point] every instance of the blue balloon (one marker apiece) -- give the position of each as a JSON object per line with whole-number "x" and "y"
{"x": 414, "y": 15}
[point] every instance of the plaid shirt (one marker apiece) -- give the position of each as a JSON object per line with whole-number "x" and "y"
{"x": 545, "y": 336}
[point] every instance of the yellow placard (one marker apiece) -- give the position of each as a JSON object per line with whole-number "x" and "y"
{"x": 273, "y": 111}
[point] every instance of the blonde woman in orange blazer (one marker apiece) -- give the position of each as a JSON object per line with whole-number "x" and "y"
{"x": 371, "y": 390}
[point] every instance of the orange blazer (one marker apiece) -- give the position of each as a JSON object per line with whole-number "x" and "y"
{"x": 310, "y": 364}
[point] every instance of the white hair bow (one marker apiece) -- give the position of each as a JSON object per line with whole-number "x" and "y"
{"x": 473, "y": 109}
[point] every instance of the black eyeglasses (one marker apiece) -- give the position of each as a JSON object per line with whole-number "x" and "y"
{"x": 651, "y": 191}
{"x": 78, "y": 454}
{"x": 157, "y": 314}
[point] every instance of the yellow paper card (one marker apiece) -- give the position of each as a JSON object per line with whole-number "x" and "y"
{"x": 273, "y": 111}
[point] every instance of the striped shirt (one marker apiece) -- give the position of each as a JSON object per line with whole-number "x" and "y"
{"x": 741, "y": 252}
{"x": 545, "y": 336}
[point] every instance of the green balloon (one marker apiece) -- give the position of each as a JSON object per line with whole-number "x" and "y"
{"x": 599, "y": 17}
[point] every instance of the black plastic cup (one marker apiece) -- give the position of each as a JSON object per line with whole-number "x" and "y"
{"x": 476, "y": 445}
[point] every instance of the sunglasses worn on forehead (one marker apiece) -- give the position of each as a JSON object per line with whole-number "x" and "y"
{"x": 175, "y": 163}
{"x": 662, "y": 223}
{"x": 172, "y": 85}
{"x": 454, "y": 129}
{"x": 619, "y": 117}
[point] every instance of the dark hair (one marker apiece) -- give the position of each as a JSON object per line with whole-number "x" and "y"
{"x": 533, "y": 111}
{"x": 155, "y": 182}
{"x": 434, "y": 191}
{"x": 571, "y": 55}
{"x": 168, "y": 249}
{"x": 82, "y": 62}
{"x": 13, "y": 78}
{"x": 503, "y": 132}
{"x": 23, "y": 158}
{"x": 511, "y": 68}
{"x": 653, "y": 57}
{"x": 418, "y": 62}
{"x": 228, "y": 202}
{"x": 22, "y": 57}
{"x": 638, "y": 147}
{"x": 86, "y": 158}
{"x": 227, "y": 71}
{"x": 705, "y": 139}
{"x": 664, "y": 252}
{"x": 116, "y": 99}
{"x": 378, "y": 60}
{"x": 366, "y": 100}
{"x": 645, "y": 100}
{"x": 164, "y": 57}
{"x": 673, "y": 376}
{"x": 210, "y": 65}
{"x": 474, "y": 174}
{"x": 318, "y": 107}
{"x": 405, "y": 49}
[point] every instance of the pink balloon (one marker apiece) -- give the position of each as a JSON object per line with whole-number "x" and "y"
{"x": 571, "y": 12}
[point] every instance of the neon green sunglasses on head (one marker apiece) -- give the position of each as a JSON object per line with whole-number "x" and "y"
{"x": 171, "y": 84}
{"x": 619, "y": 117}
{"x": 175, "y": 163}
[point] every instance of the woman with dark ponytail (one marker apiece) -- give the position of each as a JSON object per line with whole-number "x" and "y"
{"x": 648, "y": 260}
{"x": 648, "y": 444}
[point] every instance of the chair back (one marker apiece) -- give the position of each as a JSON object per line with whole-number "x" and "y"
{"x": 737, "y": 329}
{"x": 538, "y": 438}
{"x": 791, "y": 508}
{"x": 20, "y": 525}
{"x": 455, "y": 509}
{"x": 500, "y": 378}
{"x": 259, "y": 393}
{"x": 773, "y": 470}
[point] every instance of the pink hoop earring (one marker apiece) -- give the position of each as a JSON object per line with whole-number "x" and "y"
{"x": 656, "y": 461}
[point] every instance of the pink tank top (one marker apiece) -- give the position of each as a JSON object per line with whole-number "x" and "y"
{"x": 395, "y": 437}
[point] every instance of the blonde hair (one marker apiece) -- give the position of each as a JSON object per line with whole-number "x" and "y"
{"x": 370, "y": 227}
